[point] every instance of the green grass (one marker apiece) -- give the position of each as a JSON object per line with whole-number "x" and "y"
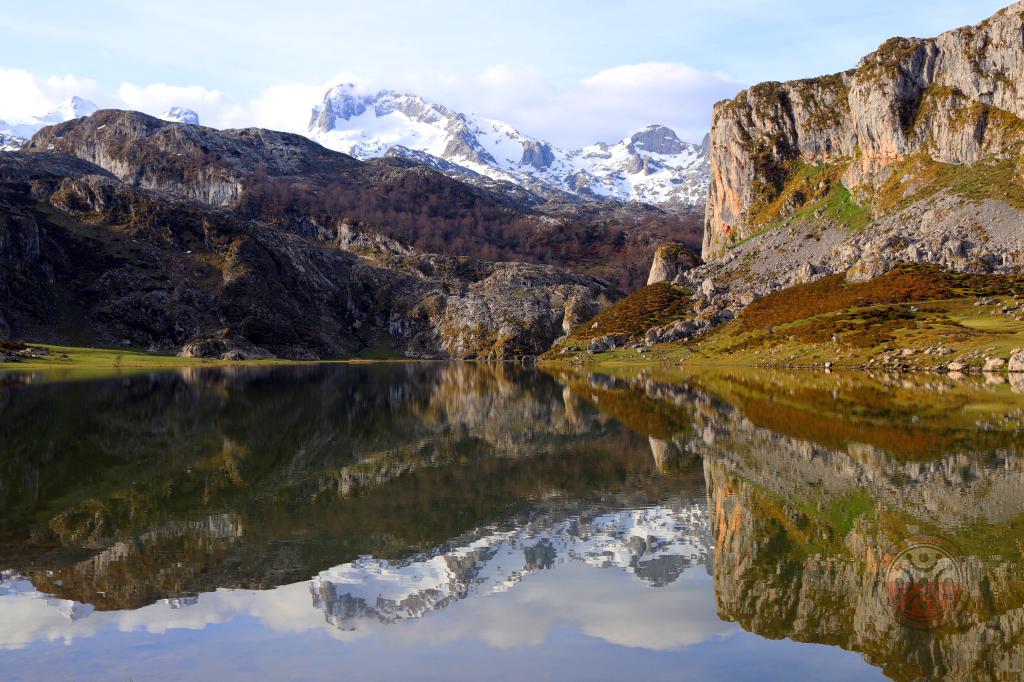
{"x": 838, "y": 207}
{"x": 104, "y": 359}
{"x": 919, "y": 177}
{"x": 844, "y": 511}
{"x": 817, "y": 193}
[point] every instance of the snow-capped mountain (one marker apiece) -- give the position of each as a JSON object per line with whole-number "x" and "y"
{"x": 653, "y": 165}
{"x": 16, "y": 133}
{"x": 181, "y": 115}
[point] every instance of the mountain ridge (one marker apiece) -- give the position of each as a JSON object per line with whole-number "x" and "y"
{"x": 306, "y": 188}
{"x": 651, "y": 165}
{"x": 91, "y": 259}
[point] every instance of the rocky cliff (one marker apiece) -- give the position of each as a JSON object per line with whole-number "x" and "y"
{"x": 916, "y": 118}
{"x": 809, "y": 506}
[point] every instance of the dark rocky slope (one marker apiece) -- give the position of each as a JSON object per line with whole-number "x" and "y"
{"x": 87, "y": 258}
{"x": 291, "y": 182}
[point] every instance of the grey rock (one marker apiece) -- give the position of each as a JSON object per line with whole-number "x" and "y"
{"x": 606, "y": 343}
{"x": 658, "y": 139}
{"x": 992, "y": 364}
{"x": 866, "y": 270}
{"x": 1016, "y": 363}
{"x": 670, "y": 260}
{"x": 537, "y": 154}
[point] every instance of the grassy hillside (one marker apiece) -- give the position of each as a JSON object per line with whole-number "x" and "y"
{"x": 914, "y": 317}
{"x": 651, "y": 306}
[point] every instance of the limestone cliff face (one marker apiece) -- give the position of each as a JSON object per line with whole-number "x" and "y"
{"x": 954, "y": 99}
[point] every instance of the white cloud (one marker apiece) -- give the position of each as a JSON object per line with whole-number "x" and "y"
{"x": 288, "y": 106}
{"x": 608, "y": 104}
{"x": 25, "y": 94}
{"x": 604, "y": 106}
{"x": 214, "y": 107}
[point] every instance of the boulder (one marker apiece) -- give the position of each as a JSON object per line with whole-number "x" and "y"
{"x": 992, "y": 364}
{"x": 805, "y": 273}
{"x": 670, "y": 260}
{"x": 1016, "y": 361}
{"x": 867, "y": 269}
{"x": 606, "y": 342}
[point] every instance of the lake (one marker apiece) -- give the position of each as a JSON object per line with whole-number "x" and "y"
{"x": 460, "y": 521}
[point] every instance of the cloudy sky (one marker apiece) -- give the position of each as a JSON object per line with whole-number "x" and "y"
{"x": 572, "y": 71}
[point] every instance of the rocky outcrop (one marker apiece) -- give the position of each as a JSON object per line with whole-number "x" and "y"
{"x": 671, "y": 260}
{"x": 657, "y": 139}
{"x": 537, "y": 154}
{"x": 955, "y": 99}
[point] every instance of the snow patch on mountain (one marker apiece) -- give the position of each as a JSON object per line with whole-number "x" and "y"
{"x": 652, "y": 165}
{"x": 180, "y": 115}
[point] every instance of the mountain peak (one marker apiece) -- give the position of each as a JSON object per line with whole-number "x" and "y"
{"x": 657, "y": 139}
{"x": 74, "y": 107}
{"x": 15, "y": 134}
{"x": 181, "y": 115}
{"x": 340, "y": 103}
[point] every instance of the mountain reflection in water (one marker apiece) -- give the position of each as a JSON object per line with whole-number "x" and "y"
{"x": 423, "y": 506}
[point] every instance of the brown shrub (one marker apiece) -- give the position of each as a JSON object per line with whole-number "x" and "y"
{"x": 652, "y": 306}
{"x": 905, "y": 284}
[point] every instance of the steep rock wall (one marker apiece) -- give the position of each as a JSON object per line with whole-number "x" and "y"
{"x": 956, "y": 99}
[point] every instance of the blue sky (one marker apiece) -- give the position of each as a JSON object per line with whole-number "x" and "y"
{"x": 572, "y": 71}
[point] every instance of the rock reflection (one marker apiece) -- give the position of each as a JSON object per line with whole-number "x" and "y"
{"x": 261, "y": 477}
{"x": 808, "y": 520}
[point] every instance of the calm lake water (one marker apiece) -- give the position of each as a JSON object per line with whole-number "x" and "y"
{"x": 450, "y": 522}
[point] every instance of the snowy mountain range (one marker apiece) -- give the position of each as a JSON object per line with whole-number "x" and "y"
{"x": 652, "y": 165}
{"x": 653, "y": 545}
